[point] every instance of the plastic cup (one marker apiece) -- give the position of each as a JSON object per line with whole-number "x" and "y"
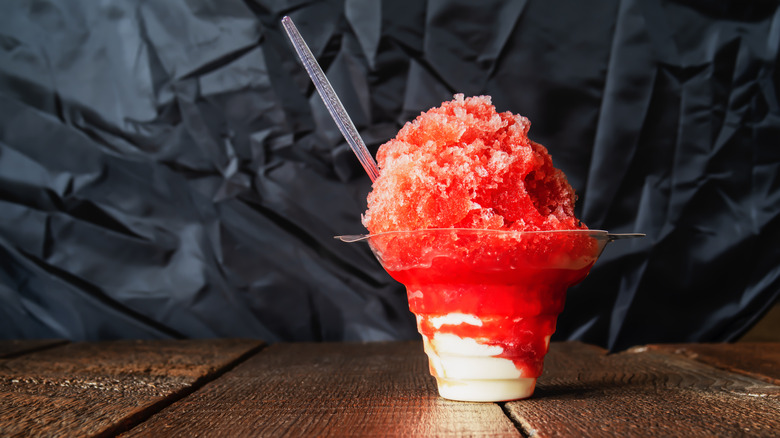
{"x": 487, "y": 301}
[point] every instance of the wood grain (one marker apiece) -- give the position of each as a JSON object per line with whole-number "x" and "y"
{"x": 641, "y": 392}
{"x": 100, "y": 388}
{"x": 14, "y": 347}
{"x": 756, "y": 359}
{"x": 327, "y": 389}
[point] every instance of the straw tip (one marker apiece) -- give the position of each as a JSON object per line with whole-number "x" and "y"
{"x": 286, "y": 19}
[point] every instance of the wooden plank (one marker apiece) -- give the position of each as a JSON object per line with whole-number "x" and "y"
{"x": 587, "y": 392}
{"x": 767, "y": 329}
{"x": 327, "y": 389}
{"x": 101, "y": 388}
{"x": 760, "y": 360}
{"x": 17, "y": 347}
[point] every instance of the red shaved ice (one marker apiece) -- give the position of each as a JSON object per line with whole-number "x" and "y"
{"x": 464, "y": 165}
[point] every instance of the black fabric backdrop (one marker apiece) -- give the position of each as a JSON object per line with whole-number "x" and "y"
{"x": 167, "y": 170}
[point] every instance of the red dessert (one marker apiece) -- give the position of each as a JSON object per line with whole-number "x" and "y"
{"x": 473, "y": 218}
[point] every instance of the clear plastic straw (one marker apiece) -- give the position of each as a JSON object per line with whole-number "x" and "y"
{"x": 331, "y": 100}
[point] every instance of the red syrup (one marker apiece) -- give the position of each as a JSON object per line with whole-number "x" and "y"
{"x": 518, "y": 302}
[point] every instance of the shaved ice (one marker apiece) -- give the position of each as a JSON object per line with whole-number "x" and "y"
{"x": 464, "y": 165}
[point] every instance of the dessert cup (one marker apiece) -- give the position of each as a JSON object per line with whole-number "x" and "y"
{"x": 486, "y": 301}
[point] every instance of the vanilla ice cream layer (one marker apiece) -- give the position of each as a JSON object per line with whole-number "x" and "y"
{"x": 486, "y": 390}
{"x": 468, "y": 370}
{"x": 479, "y": 378}
{"x": 455, "y": 319}
{"x": 463, "y": 358}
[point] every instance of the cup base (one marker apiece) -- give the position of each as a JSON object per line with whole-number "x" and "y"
{"x": 486, "y": 390}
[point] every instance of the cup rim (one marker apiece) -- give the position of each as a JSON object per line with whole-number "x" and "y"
{"x": 598, "y": 234}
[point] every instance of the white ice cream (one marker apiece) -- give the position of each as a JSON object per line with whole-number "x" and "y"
{"x": 456, "y": 319}
{"x": 470, "y": 371}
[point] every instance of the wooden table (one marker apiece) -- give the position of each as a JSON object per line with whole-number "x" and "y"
{"x": 232, "y": 387}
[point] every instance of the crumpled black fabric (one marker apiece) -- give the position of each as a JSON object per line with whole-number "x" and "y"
{"x": 167, "y": 170}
